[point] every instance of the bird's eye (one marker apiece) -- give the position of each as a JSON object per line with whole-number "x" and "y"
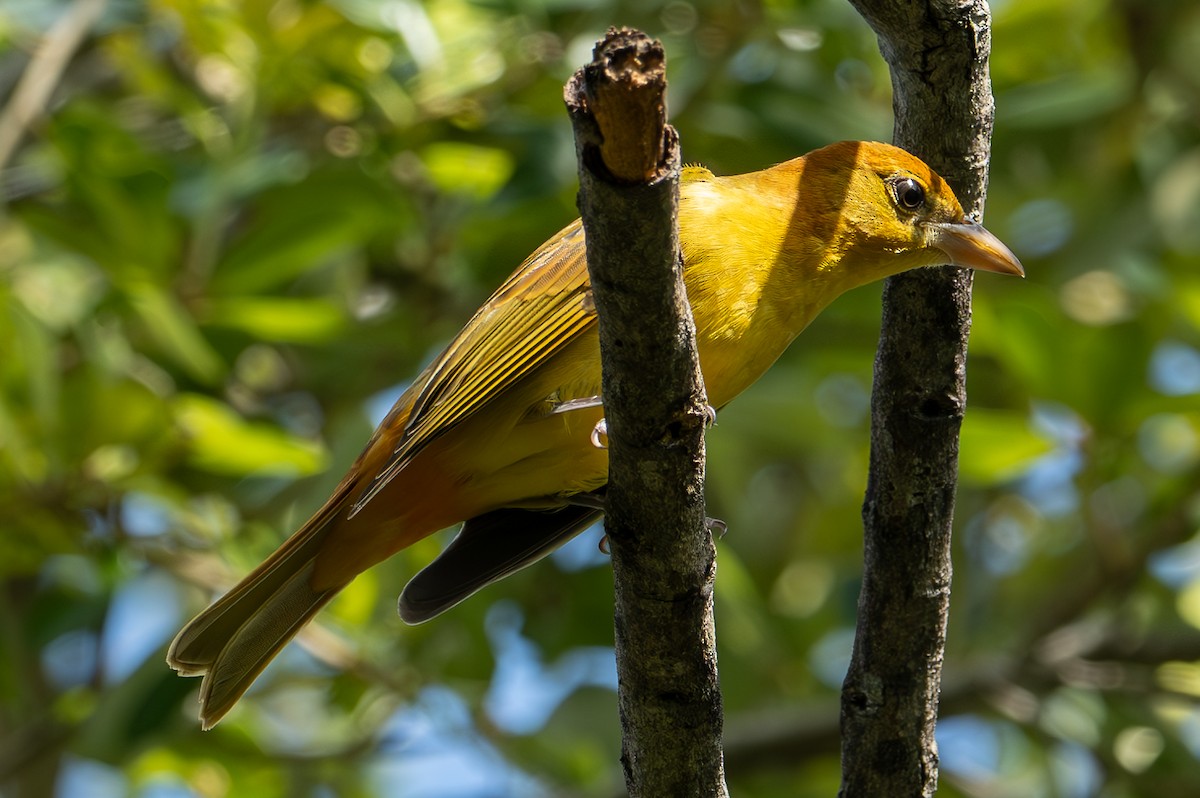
{"x": 910, "y": 195}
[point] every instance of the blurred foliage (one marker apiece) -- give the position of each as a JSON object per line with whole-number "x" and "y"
{"x": 241, "y": 225}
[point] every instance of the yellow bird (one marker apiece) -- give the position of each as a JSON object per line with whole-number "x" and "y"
{"x": 498, "y": 431}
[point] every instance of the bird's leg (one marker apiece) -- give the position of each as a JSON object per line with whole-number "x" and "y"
{"x": 592, "y": 501}
{"x": 595, "y": 501}
{"x": 577, "y": 404}
{"x": 601, "y": 428}
{"x": 715, "y": 526}
{"x": 583, "y": 403}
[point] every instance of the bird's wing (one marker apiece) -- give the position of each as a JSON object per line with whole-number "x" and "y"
{"x": 542, "y": 307}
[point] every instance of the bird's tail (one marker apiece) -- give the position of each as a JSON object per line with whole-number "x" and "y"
{"x": 233, "y": 640}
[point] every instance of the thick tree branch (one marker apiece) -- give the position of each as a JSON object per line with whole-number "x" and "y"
{"x": 654, "y": 403}
{"x": 938, "y": 54}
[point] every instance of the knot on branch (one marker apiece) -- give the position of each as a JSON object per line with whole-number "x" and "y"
{"x": 688, "y": 422}
{"x": 864, "y": 697}
{"x": 940, "y": 407}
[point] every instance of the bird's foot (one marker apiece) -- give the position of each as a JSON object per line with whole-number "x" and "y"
{"x": 601, "y": 429}
{"x": 583, "y": 403}
{"x": 715, "y": 526}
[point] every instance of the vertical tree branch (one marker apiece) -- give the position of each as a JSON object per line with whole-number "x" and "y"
{"x": 938, "y": 54}
{"x": 655, "y": 406}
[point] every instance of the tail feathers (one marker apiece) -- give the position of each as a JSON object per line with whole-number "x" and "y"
{"x": 256, "y": 643}
{"x": 232, "y": 641}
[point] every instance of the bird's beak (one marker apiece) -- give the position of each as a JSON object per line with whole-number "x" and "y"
{"x": 971, "y": 246}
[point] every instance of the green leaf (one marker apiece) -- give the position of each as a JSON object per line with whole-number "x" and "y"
{"x": 278, "y": 319}
{"x": 458, "y": 168}
{"x": 174, "y": 330}
{"x": 358, "y": 602}
{"x": 33, "y": 387}
{"x": 997, "y": 445}
{"x": 1067, "y": 99}
{"x": 60, "y": 291}
{"x": 287, "y": 248}
{"x": 222, "y": 442}
{"x": 1187, "y": 300}
{"x": 98, "y": 410}
{"x": 302, "y": 227}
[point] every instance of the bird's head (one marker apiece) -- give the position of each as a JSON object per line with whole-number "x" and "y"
{"x": 893, "y": 213}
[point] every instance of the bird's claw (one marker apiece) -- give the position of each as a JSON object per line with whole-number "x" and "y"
{"x": 601, "y": 428}
{"x": 715, "y": 526}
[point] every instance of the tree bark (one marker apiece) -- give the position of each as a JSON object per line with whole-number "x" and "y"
{"x": 938, "y": 54}
{"x": 655, "y": 408}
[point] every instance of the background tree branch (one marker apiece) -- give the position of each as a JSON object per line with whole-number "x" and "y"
{"x": 46, "y": 66}
{"x": 938, "y": 55}
{"x": 655, "y": 406}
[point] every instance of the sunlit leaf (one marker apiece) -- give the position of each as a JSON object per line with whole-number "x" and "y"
{"x": 1179, "y": 676}
{"x": 278, "y": 318}
{"x": 1187, "y": 295}
{"x": 997, "y": 445}
{"x": 59, "y": 292}
{"x": 221, "y": 441}
{"x": 458, "y": 168}
{"x": 358, "y": 602}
